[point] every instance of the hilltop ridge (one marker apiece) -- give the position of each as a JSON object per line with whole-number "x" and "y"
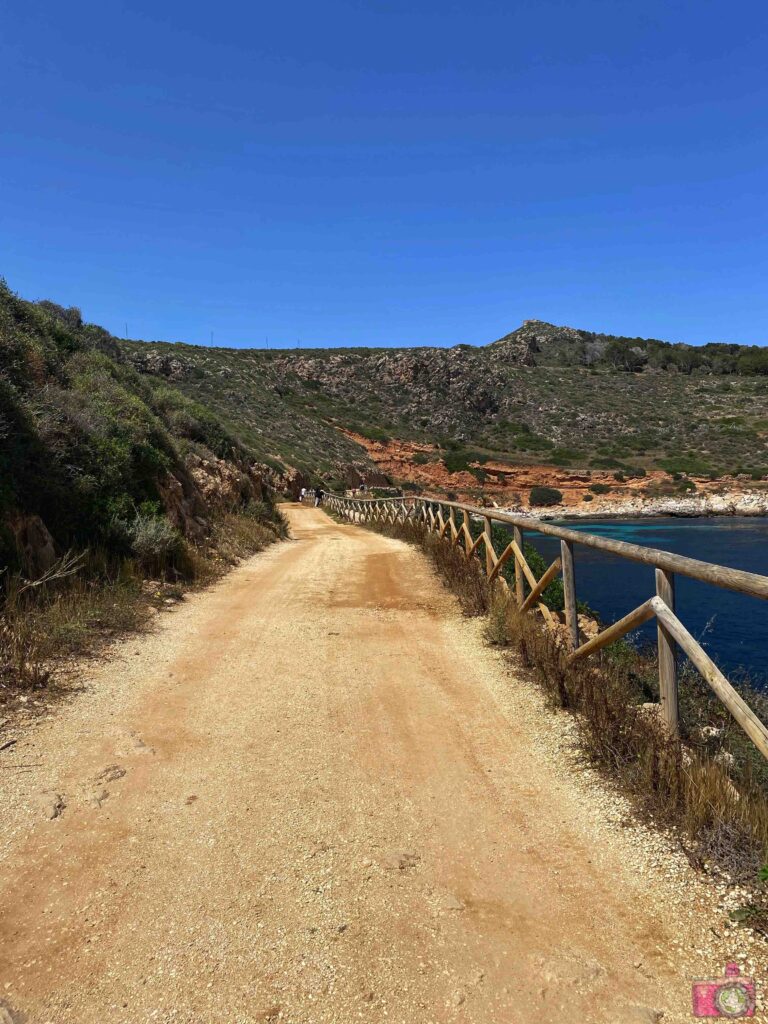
{"x": 542, "y": 395}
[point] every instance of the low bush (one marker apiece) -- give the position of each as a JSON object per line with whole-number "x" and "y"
{"x": 565, "y": 456}
{"x": 543, "y": 497}
{"x": 691, "y": 464}
{"x": 158, "y": 546}
{"x": 461, "y": 459}
{"x": 83, "y": 601}
{"x": 374, "y": 434}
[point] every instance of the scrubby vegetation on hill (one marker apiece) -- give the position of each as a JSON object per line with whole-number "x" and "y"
{"x": 114, "y": 442}
{"x": 98, "y": 451}
{"x": 134, "y": 477}
{"x": 542, "y": 394}
{"x": 282, "y": 418}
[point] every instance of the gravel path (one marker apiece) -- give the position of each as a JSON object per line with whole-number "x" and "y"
{"x": 314, "y": 795}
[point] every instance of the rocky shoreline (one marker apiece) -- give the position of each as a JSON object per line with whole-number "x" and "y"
{"x": 726, "y": 503}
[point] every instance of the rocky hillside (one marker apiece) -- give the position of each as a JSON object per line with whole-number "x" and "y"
{"x": 94, "y": 455}
{"x": 278, "y": 416}
{"x": 93, "y": 428}
{"x": 540, "y": 395}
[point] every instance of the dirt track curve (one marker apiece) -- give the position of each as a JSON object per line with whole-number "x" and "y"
{"x": 310, "y": 796}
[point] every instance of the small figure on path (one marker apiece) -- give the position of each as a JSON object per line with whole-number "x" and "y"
{"x": 319, "y": 494}
{"x": 303, "y": 494}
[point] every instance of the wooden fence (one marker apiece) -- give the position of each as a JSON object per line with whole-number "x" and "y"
{"x": 452, "y": 522}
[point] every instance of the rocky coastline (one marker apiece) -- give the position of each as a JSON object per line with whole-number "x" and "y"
{"x": 726, "y": 503}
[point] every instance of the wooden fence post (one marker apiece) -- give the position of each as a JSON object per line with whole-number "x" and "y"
{"x": 569, "y": 591}
{"x": 488, "y": 531}
{"x": 517, "y": 533}
{"x": 468, "y": 532}
{"x": 667, "y": 648}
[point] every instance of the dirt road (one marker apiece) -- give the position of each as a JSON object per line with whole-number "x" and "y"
{"x": 313, "y": 795}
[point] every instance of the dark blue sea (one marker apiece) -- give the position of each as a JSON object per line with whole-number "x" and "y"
{"x": 732, "y": 628}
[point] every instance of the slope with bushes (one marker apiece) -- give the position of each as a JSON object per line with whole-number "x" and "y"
{"x": 541, "y": 395}
{"x": 107, "y": 478}
{"x": 91, "y": 452}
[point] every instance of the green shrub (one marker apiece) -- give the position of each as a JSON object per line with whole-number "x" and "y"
{"x": 543, "y": 497}
{"x": 554, "y": 595}
{"x": 565, "y": 456}
{"x": 192, "y": 421}
{"x": 459, "y": 460}
{"x": 156, "y": 544}
{"x": 690, "y": 464}
{"x": 599, "y": 488}
{"x": 588, "y": 497}
{"x": 374, "y": 434}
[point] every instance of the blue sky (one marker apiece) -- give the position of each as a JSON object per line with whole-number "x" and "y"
{"x": 388, "y": 172}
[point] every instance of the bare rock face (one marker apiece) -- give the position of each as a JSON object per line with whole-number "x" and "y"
{"x": 207, "y": 485}
{"x": 539, "y": 342}
{"x": 290, "y": 481}
{"x": 356, "y": 475}
{"x": 35, "y": 544}
{"x": 224, "y": 485}
{"x": 159, "y": 363}
{"x": 184, "y": 506}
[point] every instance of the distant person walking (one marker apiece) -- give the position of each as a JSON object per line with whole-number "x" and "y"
{"x": 303, "y": 494}
{"x": 319, "y": 495}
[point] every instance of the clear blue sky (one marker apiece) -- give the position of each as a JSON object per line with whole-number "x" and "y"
{"x": 388, "y": 171}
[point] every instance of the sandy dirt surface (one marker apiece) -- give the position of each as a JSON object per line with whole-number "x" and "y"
{"x": 314, "y": 795}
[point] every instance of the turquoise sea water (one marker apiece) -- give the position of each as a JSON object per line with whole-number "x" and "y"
{"x": 733, "y": 628}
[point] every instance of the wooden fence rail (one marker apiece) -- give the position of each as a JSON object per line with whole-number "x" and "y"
{"x": 440, "y": 517}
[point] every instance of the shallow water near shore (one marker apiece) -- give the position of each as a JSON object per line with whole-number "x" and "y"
{"x": 732, "y": 627}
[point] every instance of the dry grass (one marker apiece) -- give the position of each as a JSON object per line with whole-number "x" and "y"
{"x": 46, "y": 623}
{"x": 237, "y": 536}
{"x": 712, "y": 787}
{"x": 43, "y": 627}
{"x": 720, "y": 808}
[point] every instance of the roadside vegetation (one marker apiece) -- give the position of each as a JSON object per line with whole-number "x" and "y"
{"x": 710, "y": 788}
{"x": 116, "y": 492}
{"x": 85, "y": 600}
